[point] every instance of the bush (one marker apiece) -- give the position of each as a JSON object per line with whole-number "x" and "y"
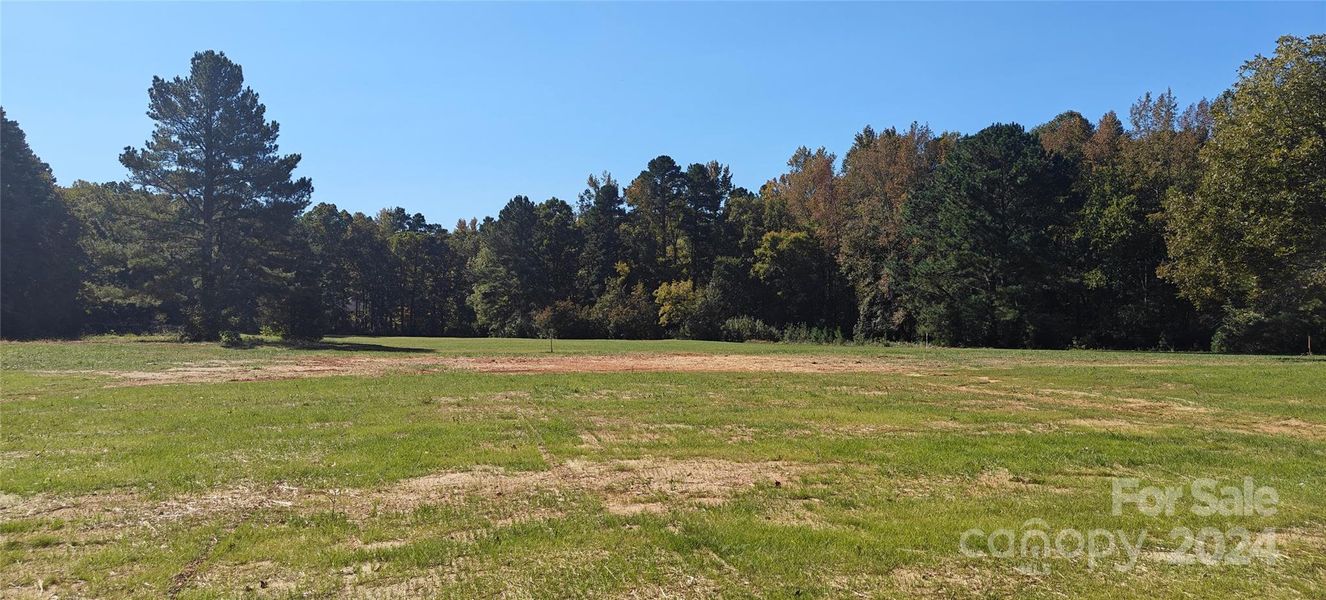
{"x": 744, "y": 328}
{"x": 231, "y": 339}
{"x": 678, "y": 303}
{"x": 688, "y": 312}
{"x": 1281, "y": 331}
{"x": 801, "y": 333}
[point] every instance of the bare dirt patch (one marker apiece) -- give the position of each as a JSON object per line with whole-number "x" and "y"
{"x": 1019, "y": 400}
{"x": 1153, "y": 414}
{"x": 618, "y": 431}
{"x": 699, "y": 363}
{"x": 122, "y": 508}
{"x": 258, "y": 579}
{"x": 648, "y": 485}
{"x": 1138, "y": 405}
{"x": 221, "y": 371}
{"x": 1295, "y": 539}
{"x": 218, "y": 371}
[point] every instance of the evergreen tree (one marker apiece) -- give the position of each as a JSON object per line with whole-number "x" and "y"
{"x": 325, "y": 230}
{"x": 657, "y": 198}
{"x": 990, "y": 255}
{"x": 39, "y": 253}
{"x": 508, "y": 271}
{"x": 601, "y": 214}
{"x": 707, "y": 188}
{"x": 214, "y": 154}
{"x": 497, "y": 298}
{"x": 134, "y": 244}
{"x": 557, "y": 243}
{"x": 744, "y": 222}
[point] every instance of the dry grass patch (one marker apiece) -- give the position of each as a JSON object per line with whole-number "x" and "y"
{"x": 955, "y": 581}
{"x": 799, "y": 513}
{"x": 1118, "y": 425}
{"x": 617, "y": 431}
{"x": 223, "y": 371}
{"x": 987, "y": 483}
{"x": 650, "y": 485}
{"x": 624, "y": 487}
{"x": 1294, "y": 428}
{"x": 262, "y": 579}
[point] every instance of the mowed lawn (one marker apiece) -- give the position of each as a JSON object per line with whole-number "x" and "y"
{"x": 401, "y": 467}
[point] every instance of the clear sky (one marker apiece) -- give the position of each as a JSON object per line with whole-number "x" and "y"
{"x": 450, "y": 109}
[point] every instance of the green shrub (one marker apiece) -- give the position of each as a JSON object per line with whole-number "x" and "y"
{"x": 801, "y": 333}
{"x": 744, "y": 328}
{"x": 231, "y": 339}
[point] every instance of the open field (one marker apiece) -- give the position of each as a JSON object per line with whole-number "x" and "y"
{"x": 393, "y": 467}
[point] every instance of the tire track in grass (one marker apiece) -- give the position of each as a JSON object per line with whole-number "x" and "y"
{"x": 182, "y": 579}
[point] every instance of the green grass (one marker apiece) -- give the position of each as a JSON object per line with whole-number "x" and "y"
{"x": 615, "y": 484}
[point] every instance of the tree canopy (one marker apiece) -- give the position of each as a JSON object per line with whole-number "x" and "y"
{"x": 1184, "y": 227}
{"x": 1250, "y": 240}
{"x": 39, "y": 253}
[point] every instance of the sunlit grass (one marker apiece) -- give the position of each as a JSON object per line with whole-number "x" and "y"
{"x": 886, "y": 470}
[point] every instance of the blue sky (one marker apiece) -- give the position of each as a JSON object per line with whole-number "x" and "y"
{"x": 450, "y": 109}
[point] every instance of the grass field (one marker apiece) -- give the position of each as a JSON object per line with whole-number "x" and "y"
{"x": 395, "y": 467}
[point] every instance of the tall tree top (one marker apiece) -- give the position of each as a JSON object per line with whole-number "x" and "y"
{"x": 212, "y": 147}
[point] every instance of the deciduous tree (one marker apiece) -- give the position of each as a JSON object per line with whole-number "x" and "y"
{"x": 1251, "y": 239}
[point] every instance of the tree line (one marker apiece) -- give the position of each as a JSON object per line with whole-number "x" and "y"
{"x": 1191, "y": 227}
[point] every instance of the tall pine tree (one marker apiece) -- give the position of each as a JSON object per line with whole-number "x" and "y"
{"x": 214, "y": 154}
{"x": 991, "y": 244}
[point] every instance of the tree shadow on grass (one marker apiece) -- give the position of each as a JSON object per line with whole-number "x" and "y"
{"x": 1315, "y": 358}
